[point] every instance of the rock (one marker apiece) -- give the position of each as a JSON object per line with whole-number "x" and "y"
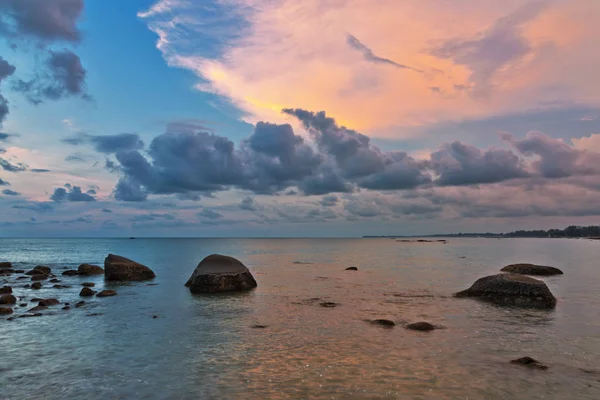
{"x": 61, "y": 286}
{"x": 19, "y": 271}
{"x": 383, "y": 322}
{"x": 70, "y": 272}
{"x": 66, "y": 308}
{"x": 23, "y": 305}
{"x": 80, "y": 304}
{"x": 37, "y": 308}
{"x": 36, "y": 286}
{"x": 154, "y": 316}
{"x": 420, "y": 326}
{"x": 48, "y": 302}
{"x": 28, "y": 286}
{"x": 39, "y": 277}
{"x": 532, "y": 269}
{"x": 529, "y": 362}
{"x": 31, "y": 315}
{"x": 328, "y": 304}
{"x": 86, "y": 292}
{"x": 511, "y": 289}
{"x": 54, "y": 280}
{"x": 43, "y": 270}
{"x": 5, "y": 265}
{"x": 36, "y": 300}
{"x": 117, "y": 268}
{"x": 93, "y": 315}
{"x": 6, "y": 290}
{"x": 218, "y": 273}
{"x": 6, "y": 310}
{"x": 88, "y": 284}
{"x": 22, "y": 277}
{"x": 106, "y": 293}
{"x": 259, "y": 326}
{"x": 89, "y": 269}
{"x": 8, "y": 299}
{"x": 352, "y": 269}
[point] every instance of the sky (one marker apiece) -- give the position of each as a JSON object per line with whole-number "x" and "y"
{"x": 268, "y": 118}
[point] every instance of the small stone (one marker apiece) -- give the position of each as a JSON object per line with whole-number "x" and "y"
{"x": 531, "y": 269}
{"x": 6, "y": 310}
{"x": 66, "y": 308}
{"x": 529, "y": 362}
{"x": 6, "y": 290}
{"x": 19, "y": 271}
{"x": 37, "y": 308}
{"x": 259, "y": 326}
{"x": 48, "y": 302}
{"x": 79, "y": 304}
{"x": 352, "y": 269}
{"x": 42, "y": 270}
{"x": 36, "y": 286}
{"x": 88, "y": 284}
{"x": 420, "y": 326}
{"x": 23, "y": 305}
{"x": 89, "y": 269}
{"x": 22, "y": 277}
{"x": 30, "y": 315}
{"x": 36, "y": 300}
{"x": 106, "y": 293}
{"x": 86, "y": 292}
{"x": 328, "y": 304}
{"x": 39, "y": 277}
{"x": 5, "y": 265}
{"x": 54, "y": 280}
{"x": 8, "y": 299}
{"x": 383, "y": 322}
{"x": 154, "y": 316}
{"x": 70, "y": 272}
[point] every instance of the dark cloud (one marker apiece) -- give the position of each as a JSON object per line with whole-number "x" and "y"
{"x": 34, "y": 206}
{"x": 209, "y": 214}
{"x": 329, "y": 201}
{"x": 9, "y": 192}
{"x": 3, "y": 182}
{"x": 44, "y": 20}
{"x": 129, "y": 190}
{"x": 368, "y": 54}
{"x": 108, "y": 144}
{"x": 7, "y": 166}
{"x": 6, "y": 70}
{"x": 500, "y": 45}
{"x": 39, "y": 170}
{"x": 248, "y": 203}
{"x": 106, "y": 210}
{"x": 152, "y": 217}
{"x": 72, "y": 194}
{"x": 63, "y": 76}
{"x": 75, "y": 157}
{"x": 459, "y": 164}
{"x": 4, "y": 136}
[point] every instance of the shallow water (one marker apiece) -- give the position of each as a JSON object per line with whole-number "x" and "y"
{"x": 205, "y": 346}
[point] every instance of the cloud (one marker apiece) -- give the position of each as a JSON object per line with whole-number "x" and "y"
{"x": 43, "y": 20}
{"x": 4, "y": 136}
{"x": 75, "y": 157}
{"x": 39, "y": 170}
{"x": 106, "y": 210}
{"x": 368, "y": 54}
{"x": 9, "y": 192}
{"x": 34, "y": 206}
{"x": 249, "y": 204}
{"x": 329, "y": 201}
{"x": 152, "y": 217}
{"x": 108, "y": 144}
{"x": 7, "y": 166}
{"x": 72, "y": 194}
{"x": 3, "y": 182}
{"x": 209, "y": 214}
{"x": 6, "y": 70}
{"x": 63, "y": 76}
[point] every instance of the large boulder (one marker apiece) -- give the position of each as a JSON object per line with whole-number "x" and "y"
{"x": 117, "y": 268}
{"x": 511, "y": 289}
{"x": 86, "y": 292}
{"x": 218, "y": 273}
{"x": 531, "y": 269}
{"x": 89, "y": 269}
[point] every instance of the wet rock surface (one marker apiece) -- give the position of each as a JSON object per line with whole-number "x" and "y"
{"x": 106, "y": 293}
{"x": 118, "y": 268}
{"x": 532, "y": 269}
{"x": 530, "y": 363}
{"x": 89, "y": 270}
{"x": 219, "y": 273}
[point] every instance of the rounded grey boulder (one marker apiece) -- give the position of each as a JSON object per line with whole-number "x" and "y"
{"x": 511, "y": 289}
{"x": 531, "y": 269}
{"x": 117, "y": 268}
{"x": 89, "y": 269}
{"x": 218, "y": 273}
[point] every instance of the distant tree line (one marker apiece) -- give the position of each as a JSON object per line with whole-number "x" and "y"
{"x": 571, "y": 231}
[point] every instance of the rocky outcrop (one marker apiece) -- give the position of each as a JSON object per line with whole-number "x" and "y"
{"x": 420, "y": 326}
{"x": 529, "y": 362}
{"x": 352, "y": 269}
{"x": 86, "y": 292}
{"x": 89, "y": 269}
{"x": 117, "y": 268}
{"x": 512, "y": 289}
{"x": 531, "y": 269}
{"x": 8, "y": 299}
{"x": 6, "y": 290}
{"x": 106, "y": 293}
{"x": 70, "y": 272}
{"x": 218, "y": 273}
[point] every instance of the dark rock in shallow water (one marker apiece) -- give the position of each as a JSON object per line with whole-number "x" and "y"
{"x": 86, "y": 292}
{"x": 6, "y": 290}
{"x": 529, "y": 362}
{"x": 88, "y": 284}
{"x": 48, "y": 302}
{"x": 531, "y": 269}
{"x": 117, "y": 268}
{"x": 39, "y": 277}
{"x": 70, "y": 272}
{"x": 36, "y": 285}
{"x": 80, "y": 304}
{"x": 89, "y": 269}
{"x": 22, "y": 277}
{"x": 36, "y": 300}
{"x": 30, "y": 315}
{"x": 23, "y": 305}
{"x": 61, "y": 286}
{"x": 8, "y": 299}
{"x": 259, "y": 326}
{"x": 420, "y": 326}
{"x": 43, "y": 270}
{"x": 351, "y": 269}
{"x": 383, "y": 322}
{"x": 6, "y": 310}
{"x": 37, "y": 308}
{"x": 66, "y": 308}
{"x": 511, "y": 289}
{"x": 5, "y": 265}
{"x": 19, "y": 271}
{"x": 218, "y": 273}
{"x": 106, "y": 293}
{"x": 54, "y": 280}
{"x": 328, "y": 304}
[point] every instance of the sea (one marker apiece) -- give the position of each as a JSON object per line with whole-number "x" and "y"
{"x": 155, "y": 340}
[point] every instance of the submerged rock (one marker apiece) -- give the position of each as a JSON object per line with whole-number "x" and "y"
{"x": 532, "y": 269}
{"x": 218, "y": 273}
{"x": 511, "y": 289}
{"x": 352, "y": 269}
{"x": 54, "y": 280}
{"x": 383, "y": 322}
{"x": 117, "y": 268}
{"x": 106, "y": 293}
{"x": 257, "y": 326}
{"x": 328, "y": 304}
{"x": 80, "y": 304}
{"x": 48, "y": 302}
{"x": 37, "y": 308}
{"x": 5, "y": 290}
{"x": 8, "y": 299}
{"x": 70, "y": 272}
{"x": 6, "y": 310}
{"x": 30, "y": 315}
{"x": 86, "y": 292}
{"x": 89, "y": 269}
{"x": 43, "y": 270}
{"x": 529, "y": 362}
{"x": 88, "y": 284}
{"x": 5, "y": 265}
{"x": 39, "y": 277}
{"x": 420, "y": 326}
{"x": 36, "y": 285}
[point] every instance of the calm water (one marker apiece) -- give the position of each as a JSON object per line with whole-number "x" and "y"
{"x": 204, "y": 347}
